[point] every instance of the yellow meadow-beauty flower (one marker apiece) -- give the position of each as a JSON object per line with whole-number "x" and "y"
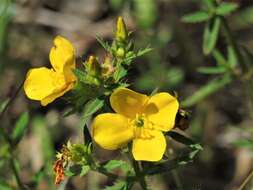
{"x": 138, "y": 118}
{"x": 45, "y": 84}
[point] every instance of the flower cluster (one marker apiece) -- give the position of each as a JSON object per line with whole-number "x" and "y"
{"x": 139, "y": 121}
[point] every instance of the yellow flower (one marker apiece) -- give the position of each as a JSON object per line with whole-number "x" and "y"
{"x": 45, "y": 84}
{"x": 138, "y": 118}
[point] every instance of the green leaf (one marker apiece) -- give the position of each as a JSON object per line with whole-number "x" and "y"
{"x": 132, "y": 55}
{"x": 212, "y": 70}
{"x": 232, "y": 57}
{"x": 220, "y": 59}
{"x": 20, "y": 127}
{"x": 184, "y": 140}
{"x": 85, "y": 169}
{"x": 116, "y": 164}
{"x": 4, "y": 104}
{"x": 182, "y": 159}
{"x": 211, "y": 35}
{"x": 196, "y": 17}
{"x": 247, "y": 143}
{"x": 208, "y": 89}
{"x": 142, "y": 52}
{"x": 86, "y": 135}
{"x": 226, "y": 8}
{"x": 81, "y": 75}
{"x": 119, "y": 73}
{"x": 210, "y": 4}
{"x": 104, "y": 44}
{"x": 6, "y": 12}
{"x": 73, "y": 170}
{"x": 90, "y": 108}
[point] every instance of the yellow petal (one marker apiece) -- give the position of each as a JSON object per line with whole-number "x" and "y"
{"x": 149, "y": 149}
{"x": 56, "y": 94}
{"x": 62, "y": 55}
{"x": 39, "y": 83}
{"x": 161, "y": 110}
{"x": 127, "y": 102}
{"x": 111, "y": 131}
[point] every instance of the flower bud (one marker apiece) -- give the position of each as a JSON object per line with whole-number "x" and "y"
{"x": 92, "y": 66}
{"x": 120, "y": 52}
{"x": 107, "y": 67}
{"x": 121, "y": 31}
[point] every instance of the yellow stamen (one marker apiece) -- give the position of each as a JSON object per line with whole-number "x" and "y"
{"x": 143, "y": 128}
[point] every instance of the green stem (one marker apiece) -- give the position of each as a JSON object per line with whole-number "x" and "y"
{"x": 205, "y": 91}
{"x": 16, "y": 173}
{"x": 9, "y": 140}
{"x": 139, "y": 175}
{"x": 231, "y": 41}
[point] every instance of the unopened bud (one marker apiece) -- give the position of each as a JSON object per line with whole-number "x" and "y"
{"x": 92, "y": 66}
{"x": 107, "y": 67}
{"x": 121, "y": 32}
{"x": 120, "y": 52}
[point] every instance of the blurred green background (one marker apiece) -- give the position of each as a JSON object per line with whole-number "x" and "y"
{"x": 222, "y": 122}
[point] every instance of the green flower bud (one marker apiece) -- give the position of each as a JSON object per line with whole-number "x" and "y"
{"x": 120, "y": 52}
{"x": 78, "y": 153}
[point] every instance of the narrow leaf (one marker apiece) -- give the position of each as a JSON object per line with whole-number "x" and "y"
{"x": 87, "y": 135}
{"x": 210, "y": 4}
{"x": 119, "y": 73}
{"x": 226, "y": 8}
{"x": 184, "y": 140}
{"x": 207, "y": 90}
{"x": 196, "y": 17}
{"x": 4, "y": 104}
{"x": 232, "y": 57}
{"x": 116, "y": 164}
{"x": 20, "y": 127}
{"x": 220, "y": 59}
{"x": 104, "y": 44}
{"x": 80, "y": 75}
{"x": 212, "y": 70}
{"x": 211, "y": 35}
{"x": 90, "y": 108}
{"x": 84, "y": 170}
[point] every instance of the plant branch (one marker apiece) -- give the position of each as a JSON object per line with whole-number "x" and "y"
{"x": 9, "y": 140}
{"x": 231, "y": 41}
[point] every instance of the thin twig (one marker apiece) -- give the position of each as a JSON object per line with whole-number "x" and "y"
{"x": 246, "y": 181}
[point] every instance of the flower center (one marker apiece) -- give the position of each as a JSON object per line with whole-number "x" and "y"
{"x": 143, "y": 128}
